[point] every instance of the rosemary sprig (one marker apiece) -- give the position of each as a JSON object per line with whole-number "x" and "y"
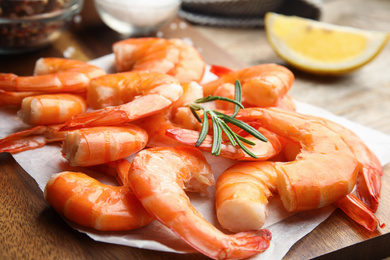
{"x": 220, "y": 120}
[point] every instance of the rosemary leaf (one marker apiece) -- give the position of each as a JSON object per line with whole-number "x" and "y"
{"x": 237, "y": 97}
{"x": 204, "y": 130}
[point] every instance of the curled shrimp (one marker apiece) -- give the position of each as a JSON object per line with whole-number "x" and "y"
{"x": 305, "y": 183}
{"x": 244, "y": 189}
{"x": 171, "y": 56}
{"x": 85, "y": 201}
{"x": 368, "y": 183}
{"x": 53, "y": 75}
{"x": 262, "y": 85}
{"x": 141, "y": 94}
{"x": 31, "y": 138}
{"x": 99, "y": 145}
{"x": 51, "y": 109}
{"x": 159, "y": 176}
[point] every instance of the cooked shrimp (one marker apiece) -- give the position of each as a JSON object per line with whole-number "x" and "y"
{"x": 53, "y": 75}
{"x": 85, "y": 201}
{"x": 98, "y": 145}
{"x": 243, "y": 191}
{"x": 262, "y": 85}
{"x": 133, "y": 95}
{"x": 171, "y": 56}
{"x": 31, "y": 138}
{"x": 159, "y": 176}
{"x": 14, "y": 99}
{"x": 51, "y": 109}
{"x": 368, "y": 183}
{"x": 263, "y": 150}
{"x": 305, "y": 183}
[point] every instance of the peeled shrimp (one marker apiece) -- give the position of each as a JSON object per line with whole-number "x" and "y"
{"x": 31, "y": 138}
{"x": 171, "y": 56}
{"x": 262, "y": 85}
{"x": 158, "y": 177}
{"x": 53, "y": 75}
{"x": 85, "y": 201}
{"x": 368, "y": 183}
{"x": 141, "y": 94}
{"x": 306, "y": 182}
{"x": 98, "y": 145}
{"x": 244, "y": 189}
{"x": 51, "y": 109}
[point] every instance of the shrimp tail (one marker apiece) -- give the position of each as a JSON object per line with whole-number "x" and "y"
{"x": 30, "y": 139}
{"x": 249, "y": 242}
{"x": 219, "y": 70}
{"x": 359, "y": 212}
{"x": 102, "y": 117}
{"x": 8, "y": 81}
{"x": 368, "y": 186}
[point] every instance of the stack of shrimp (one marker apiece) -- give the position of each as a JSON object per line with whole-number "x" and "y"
{"x": 101, "y": 119}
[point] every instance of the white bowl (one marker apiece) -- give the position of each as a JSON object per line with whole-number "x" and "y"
{"x": 136, "y": 17}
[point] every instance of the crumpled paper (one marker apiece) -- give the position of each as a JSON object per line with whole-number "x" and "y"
{"x": 286, "y": 228}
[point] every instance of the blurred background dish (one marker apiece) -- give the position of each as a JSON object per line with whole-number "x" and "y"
{"x": 136, "y": 17}
{"x": 33, "y": 24}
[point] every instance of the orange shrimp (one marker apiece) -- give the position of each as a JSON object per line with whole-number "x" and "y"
{"x": 305, "y": 183}
{"x": 99, "y": 145}
{"x": 31, "y": 138}
{"x": 53, "y": 75}
{"x": 368, "y": 183}
{"x": 263, "y": 150}
{"x": 243, "y": 191}
{"x": 171, "y": 56}
{"x": 141, "y": 94}
{"x": 51, "y": 109}
{"x": 159, "y": 177}
{"x": 262, "y": 85}
{"x": 85, "y": 201}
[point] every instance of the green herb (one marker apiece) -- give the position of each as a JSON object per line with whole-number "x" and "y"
{"x": 220, "y": 120}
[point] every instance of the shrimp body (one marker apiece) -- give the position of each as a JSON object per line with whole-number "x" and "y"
{"x": 262, "y": 85}
{"x": 242, "y": 193}
{"x": 306, "y": 182}
{"x": 98, "y": 145}
{"x": 51, "y": 109}
{"x": 368, "y": 183}
{"x": 126, "y": 97}
{"x": 53, "y": 75}
{"x": 159, "y": 176}
{"x": 85, "y": 201}
{"x": 170, "y": 56}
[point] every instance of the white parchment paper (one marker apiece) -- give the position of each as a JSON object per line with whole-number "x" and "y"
{"x": 286, "y": 229}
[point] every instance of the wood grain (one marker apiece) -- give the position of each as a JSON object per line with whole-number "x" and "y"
{"x": 30, "y": 229}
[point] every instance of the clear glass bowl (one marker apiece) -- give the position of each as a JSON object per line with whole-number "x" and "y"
{"x": 33, "y": 24}
{"x": 136, "y": 17}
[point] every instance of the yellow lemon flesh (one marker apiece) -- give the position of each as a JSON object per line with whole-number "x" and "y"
{"x": 319, "y": 47}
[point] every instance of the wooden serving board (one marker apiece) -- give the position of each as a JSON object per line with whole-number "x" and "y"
{"x": 31, "y": 229}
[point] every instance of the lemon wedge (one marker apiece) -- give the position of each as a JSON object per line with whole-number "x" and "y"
{"x": 322, "y": 48}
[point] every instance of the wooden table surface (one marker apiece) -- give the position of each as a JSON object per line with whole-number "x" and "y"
{"x": 31, "y": 229}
